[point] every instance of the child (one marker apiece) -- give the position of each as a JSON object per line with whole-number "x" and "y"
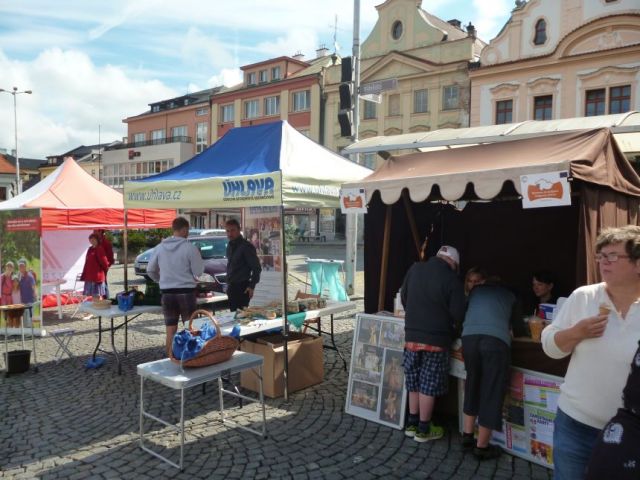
{"x": 7, "y": 284}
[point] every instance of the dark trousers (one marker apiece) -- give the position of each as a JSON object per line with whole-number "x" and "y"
{"x": 486, "y": 360}
{"x": 237, "y": 296}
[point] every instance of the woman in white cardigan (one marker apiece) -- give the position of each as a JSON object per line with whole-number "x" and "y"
{"x": 599, "y": 326}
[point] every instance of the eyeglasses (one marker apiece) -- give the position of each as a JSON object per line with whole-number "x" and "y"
{"x": 609, "y": 257}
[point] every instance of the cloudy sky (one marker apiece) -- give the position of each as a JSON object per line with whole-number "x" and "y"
{"x": 93, "y": 63}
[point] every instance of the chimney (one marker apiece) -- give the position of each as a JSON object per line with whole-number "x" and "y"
{"x": 299, "y": 56}
{"x": 471, "y": 30}
{"x": 322, "y": 51}
{"x": 456, "y": 23}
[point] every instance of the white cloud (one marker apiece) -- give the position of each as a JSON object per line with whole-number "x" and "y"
{"x": 71, "y": 97}
{"x": 227, "y": 77}
{"x": 489, "y": 20}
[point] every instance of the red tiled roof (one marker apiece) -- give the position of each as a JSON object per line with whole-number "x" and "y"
{"x": 6, "y": 166}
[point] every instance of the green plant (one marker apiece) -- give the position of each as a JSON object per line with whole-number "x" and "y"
{"x": 136, "y": 241}
{"x": 290, "y": 232}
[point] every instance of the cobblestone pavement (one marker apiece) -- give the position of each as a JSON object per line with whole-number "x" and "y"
{"x": 70, "y": 423}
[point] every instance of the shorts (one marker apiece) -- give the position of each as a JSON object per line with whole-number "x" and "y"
{"x": 427, "y": 372}
{"x": 176, "y": 305}
{"x": 486, "y": 360}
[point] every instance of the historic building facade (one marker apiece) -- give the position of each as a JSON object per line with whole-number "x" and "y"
{"x": 428, "y": 56}
{"x": 559, "y": 59}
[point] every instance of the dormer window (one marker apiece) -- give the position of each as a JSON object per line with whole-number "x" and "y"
{"x": 541, "y": 32}
{"x": 251, "y": 78}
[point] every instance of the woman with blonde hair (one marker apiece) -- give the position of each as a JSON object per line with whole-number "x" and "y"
{"x": 599, "y": 326}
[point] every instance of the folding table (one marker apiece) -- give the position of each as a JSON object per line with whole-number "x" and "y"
{"x": 172, "y": 375}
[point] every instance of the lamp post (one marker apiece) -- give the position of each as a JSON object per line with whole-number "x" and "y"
{"x": 15, "y": 92}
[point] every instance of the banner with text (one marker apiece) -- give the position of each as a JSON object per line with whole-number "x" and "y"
{"x": 550, "y": 189}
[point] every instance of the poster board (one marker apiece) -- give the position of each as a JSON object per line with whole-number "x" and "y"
{"x": 20, "y": 240}
{"x": 528, "y": 414}
{"x": 262, "y": 227}
{"x": 376, "y": 388}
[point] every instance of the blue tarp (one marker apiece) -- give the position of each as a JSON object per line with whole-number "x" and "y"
{"x": 241, "y": 151}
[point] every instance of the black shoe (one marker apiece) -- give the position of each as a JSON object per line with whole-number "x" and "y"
{"x": 468, "y": 442}
{"x": 487, "y": 453}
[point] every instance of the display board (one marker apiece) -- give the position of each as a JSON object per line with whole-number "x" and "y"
{"x": 262, "y": 228}
{"x": 376, "y": 389}
{"x": 528, "y": 412}
{"x": 20, "y": 244}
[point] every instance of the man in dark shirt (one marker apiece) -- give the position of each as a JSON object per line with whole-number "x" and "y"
{"x": 243, "y": 267}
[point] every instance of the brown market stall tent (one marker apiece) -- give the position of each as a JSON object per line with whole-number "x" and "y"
{"x": 470, "y": 198}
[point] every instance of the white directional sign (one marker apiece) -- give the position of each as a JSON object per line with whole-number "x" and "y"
{"x": 372, "y": 97}
{"x": 378, "y": 86}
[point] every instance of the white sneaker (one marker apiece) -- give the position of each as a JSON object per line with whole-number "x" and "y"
{"x": 87, "y": 316}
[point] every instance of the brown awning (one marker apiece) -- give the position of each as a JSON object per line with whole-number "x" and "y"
{"x": 590, "y": 155}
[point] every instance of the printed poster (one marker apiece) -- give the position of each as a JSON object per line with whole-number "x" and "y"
{"x": 549, "y": 189}
{"x": 20, "y": 259}
{"x": 262, "y": 227}
{"x": 376, "y": 389}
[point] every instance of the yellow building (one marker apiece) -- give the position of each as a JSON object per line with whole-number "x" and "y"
{"x": 558, "y": 59}
{"x": 428, "y": 56}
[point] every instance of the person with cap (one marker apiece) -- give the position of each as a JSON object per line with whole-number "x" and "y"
{"x": 434, "y": 302}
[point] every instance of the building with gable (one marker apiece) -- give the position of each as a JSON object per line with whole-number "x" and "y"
{"x": 428, "y": 56}
{"x": 559, "y": 59}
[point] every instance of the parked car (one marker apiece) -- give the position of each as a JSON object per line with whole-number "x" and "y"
{"x": 213, "y": 249}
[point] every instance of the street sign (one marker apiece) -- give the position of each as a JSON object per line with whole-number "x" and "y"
{"x": 378, "y": 86}
{"x": 372, "y": 97}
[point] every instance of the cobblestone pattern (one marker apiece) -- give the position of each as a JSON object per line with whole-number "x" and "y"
{"x": 66, "y": 422}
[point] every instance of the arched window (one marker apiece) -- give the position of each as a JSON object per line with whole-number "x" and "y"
{"x": 541, "y": 32}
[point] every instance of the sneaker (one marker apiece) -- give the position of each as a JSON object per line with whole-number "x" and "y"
{"x": 487, "y": 453}
{"x": 434, "y": 433}
{"x": 411, "y": 431}
{"x": 468, "y": 442}
{"x": 87, "y": 316}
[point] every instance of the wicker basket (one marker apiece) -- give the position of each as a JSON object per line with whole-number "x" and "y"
{"x": 215, "y": 350}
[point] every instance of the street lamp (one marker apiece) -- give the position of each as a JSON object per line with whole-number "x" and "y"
{"x": 15, "y": 132}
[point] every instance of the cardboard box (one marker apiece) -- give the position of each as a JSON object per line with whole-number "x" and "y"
{"x": 306, "y": 363}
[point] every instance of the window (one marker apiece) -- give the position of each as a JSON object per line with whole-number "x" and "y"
{"x": 543, "y": 107}
{"x": 201, "y": 112}
{"x": 138, "y": 138}
{"x": 263, "y": 76}
{"x": 420, "y": 101}
{"x": 619, "y": 99}
{"x": 595, "y": 102}
{"x": 201, "y": 136}
{"x": 396, "y": 30}
{"x": 157, "y": 136}
{"x": 394, "y": 105}
{"x": 301, "y": 101}
{"x": 504, "y": 111}
{"x": 227, "y": 112}
{"x": 180, "y": 131}
{"x": 369, "y": 110}
{"x": 541, "y": 32}
{"x": 450, "y": 98}
{"x": 275, "y": 73}
{"x": 251, "y": 109}
{"x": 251, "y": 78}
{"x": 155, "y": 108}
{"x": 369, "y": 160}
{"x": 272, "y": 105}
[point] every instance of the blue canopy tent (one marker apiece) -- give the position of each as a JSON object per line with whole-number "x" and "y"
{"x": 264, "y": 165}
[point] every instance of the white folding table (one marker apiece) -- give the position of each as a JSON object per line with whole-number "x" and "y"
{"x": 172, "y": 375}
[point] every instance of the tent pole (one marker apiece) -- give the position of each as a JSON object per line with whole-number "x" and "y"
{"x": 125, "y": 241}
{"x": 385, "y": 257}
{"x": 412, "y": 221}
{"x": 285, "y": 297}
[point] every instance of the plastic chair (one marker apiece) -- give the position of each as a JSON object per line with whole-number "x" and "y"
{"x": 75, "y": 295}
{"x": 307, "y": 323}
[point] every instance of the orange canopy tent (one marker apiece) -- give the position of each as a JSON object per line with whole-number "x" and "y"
{"x": 70, "y": 198}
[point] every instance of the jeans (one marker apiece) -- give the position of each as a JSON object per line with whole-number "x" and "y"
{"x": 573, "y": 443}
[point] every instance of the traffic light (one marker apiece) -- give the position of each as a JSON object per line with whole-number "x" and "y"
{"x": 346, "y": 92}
